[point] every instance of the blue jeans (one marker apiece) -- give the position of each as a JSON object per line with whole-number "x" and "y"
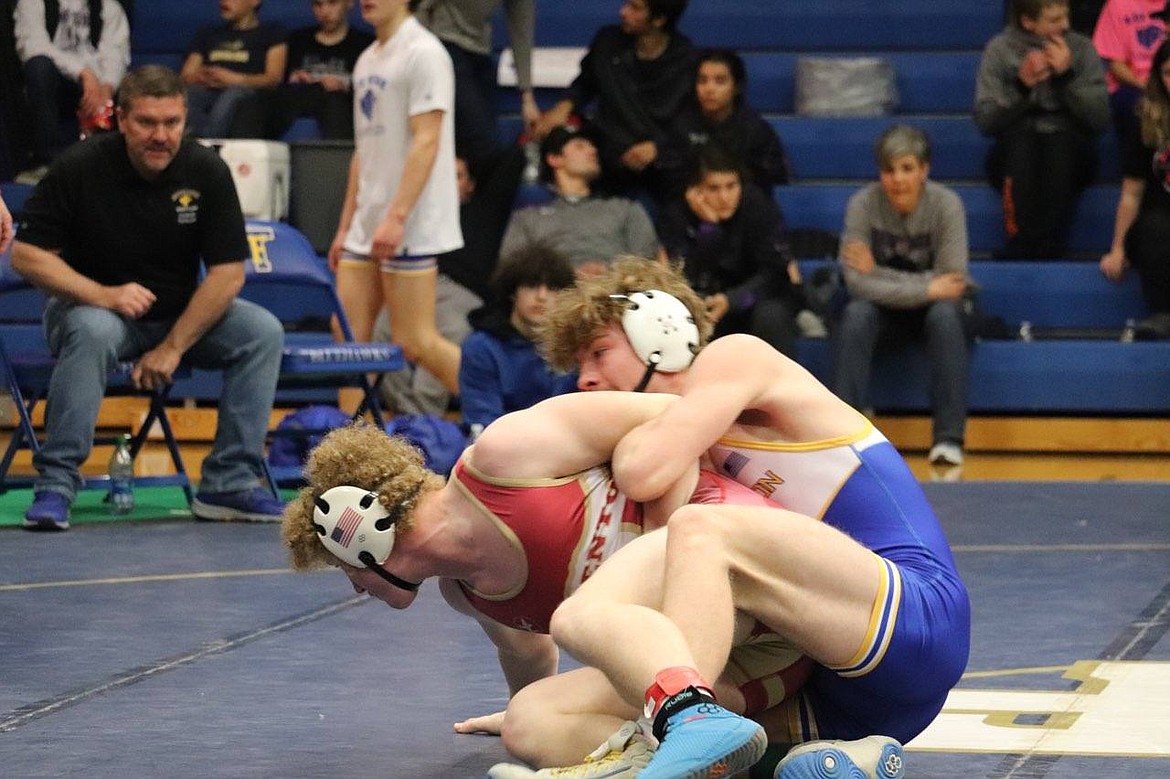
{"x": 210, "y": 111}
{"x": 89, "y": 342}
{"x": 863, "y": 324}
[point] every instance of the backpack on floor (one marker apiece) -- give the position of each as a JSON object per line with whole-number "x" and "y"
{"x": 441, "y": 440}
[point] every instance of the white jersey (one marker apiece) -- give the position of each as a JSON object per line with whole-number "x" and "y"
{"x": 408, "y": 75}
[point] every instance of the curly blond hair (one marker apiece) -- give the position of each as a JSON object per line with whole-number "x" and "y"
{"x": 580, "y": 313}
{"x": 362, "y": 455}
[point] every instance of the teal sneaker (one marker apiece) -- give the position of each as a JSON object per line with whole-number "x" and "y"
{"x": 872, "y": 757}
{"x": 706, "y": 741}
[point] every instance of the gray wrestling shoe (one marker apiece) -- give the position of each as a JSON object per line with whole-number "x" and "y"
{"x": 872, "y": 757}
{"x": 621, "y": 756}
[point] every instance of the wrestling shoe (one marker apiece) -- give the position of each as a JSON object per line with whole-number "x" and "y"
{"x": 872, "y": 757}
{"x": 621, "y": 756}
{"x": 706, "y": 741}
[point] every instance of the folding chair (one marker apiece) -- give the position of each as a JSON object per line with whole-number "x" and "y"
{"x": 288, "y": 278}
{"x": 27, "y": 364}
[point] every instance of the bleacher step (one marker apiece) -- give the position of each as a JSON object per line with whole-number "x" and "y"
{"x": 910, "y": 433}
{"x": 1090, "y": 435}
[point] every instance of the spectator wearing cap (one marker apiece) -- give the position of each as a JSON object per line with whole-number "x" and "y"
{"x": 588, "y": 229}
{"x": 634, "y": 79}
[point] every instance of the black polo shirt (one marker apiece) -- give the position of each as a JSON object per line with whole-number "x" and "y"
{"x": 114, "y": 226}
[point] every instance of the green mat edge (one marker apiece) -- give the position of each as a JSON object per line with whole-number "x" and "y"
{"x": 151, "y": 504}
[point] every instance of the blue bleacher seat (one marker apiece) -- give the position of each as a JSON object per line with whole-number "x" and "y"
{"x": 1079, "y": 374}
{"x": 929, "y": 82}
{"x": 1015, "y": 377}
{"x": 842, "y": 147}
{"x": 822, "y": 206}
{"x": 794, "y": 25}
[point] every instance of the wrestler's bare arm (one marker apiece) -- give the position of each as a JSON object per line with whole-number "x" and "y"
{"x": 524, "y": 657}
{"x": 738, "y": 385}
{"x": 562, "y": 435}
{"x": 726, "y": 377}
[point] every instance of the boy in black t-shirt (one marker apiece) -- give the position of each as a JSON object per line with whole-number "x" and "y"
{"x": 317, "y": 84}
{"x": 228, "y": 63}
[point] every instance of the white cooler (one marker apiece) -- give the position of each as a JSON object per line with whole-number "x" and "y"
{"x": 261, "y": 172}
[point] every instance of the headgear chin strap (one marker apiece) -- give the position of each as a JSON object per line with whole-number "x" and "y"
{"x": 358, "y": 529}
{"x": 661, "y": 330}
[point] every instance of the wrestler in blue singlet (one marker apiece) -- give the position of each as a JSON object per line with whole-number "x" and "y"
{"x": 919, "y": 639}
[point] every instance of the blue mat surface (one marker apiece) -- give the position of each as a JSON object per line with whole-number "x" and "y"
{"x": 183, "y": 649}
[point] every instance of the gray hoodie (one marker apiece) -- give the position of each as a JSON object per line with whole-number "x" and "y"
{"x": 1075, "y": 99}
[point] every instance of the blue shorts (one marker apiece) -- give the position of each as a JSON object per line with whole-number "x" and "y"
{"x": 921, "y": 640}
{"x": 404, "y": 263}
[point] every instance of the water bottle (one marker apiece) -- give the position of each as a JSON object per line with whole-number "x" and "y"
{"x": 531, "y": 175}
{"x": 121, "y": 496}
{"x": 1129, "y": 333}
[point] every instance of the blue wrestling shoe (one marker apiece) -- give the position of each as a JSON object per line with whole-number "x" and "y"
{"x": 706, "y": 741}
{"x": 872, "y": 757}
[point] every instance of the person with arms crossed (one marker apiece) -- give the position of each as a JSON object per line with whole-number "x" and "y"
{"x": 848, "y": 561}
{"x": 904, "y": 258}
{"x": 115, "y": 234}
{"x": 401, "y": 205}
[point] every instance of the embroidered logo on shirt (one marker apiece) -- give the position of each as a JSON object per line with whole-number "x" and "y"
{"x": 186, "y": 205}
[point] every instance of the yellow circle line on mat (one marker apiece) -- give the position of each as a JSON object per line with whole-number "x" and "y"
{"x": 1040, "y": 669}
{"x": 169, "y": 577}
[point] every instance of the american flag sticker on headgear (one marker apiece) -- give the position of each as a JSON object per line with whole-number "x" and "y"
{"x": 346, "y": 526}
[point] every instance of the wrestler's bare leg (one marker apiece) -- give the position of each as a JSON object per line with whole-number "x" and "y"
{"x": 805, "y": 580}
{"x": 558, "y": 720}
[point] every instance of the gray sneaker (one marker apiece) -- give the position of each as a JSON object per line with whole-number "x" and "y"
{"x": 872, "y": 757}
{"x": 621, "y": 756}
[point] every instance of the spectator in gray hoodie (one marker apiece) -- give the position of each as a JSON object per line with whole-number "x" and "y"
{"x": 1041, "y": 94}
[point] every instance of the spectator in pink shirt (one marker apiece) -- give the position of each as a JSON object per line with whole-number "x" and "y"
{"x": 1127, "y": 34}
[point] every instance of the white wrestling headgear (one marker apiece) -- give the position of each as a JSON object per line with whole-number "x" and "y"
{"x": 661, "y": 330}
{"x": 355, "y": 526}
